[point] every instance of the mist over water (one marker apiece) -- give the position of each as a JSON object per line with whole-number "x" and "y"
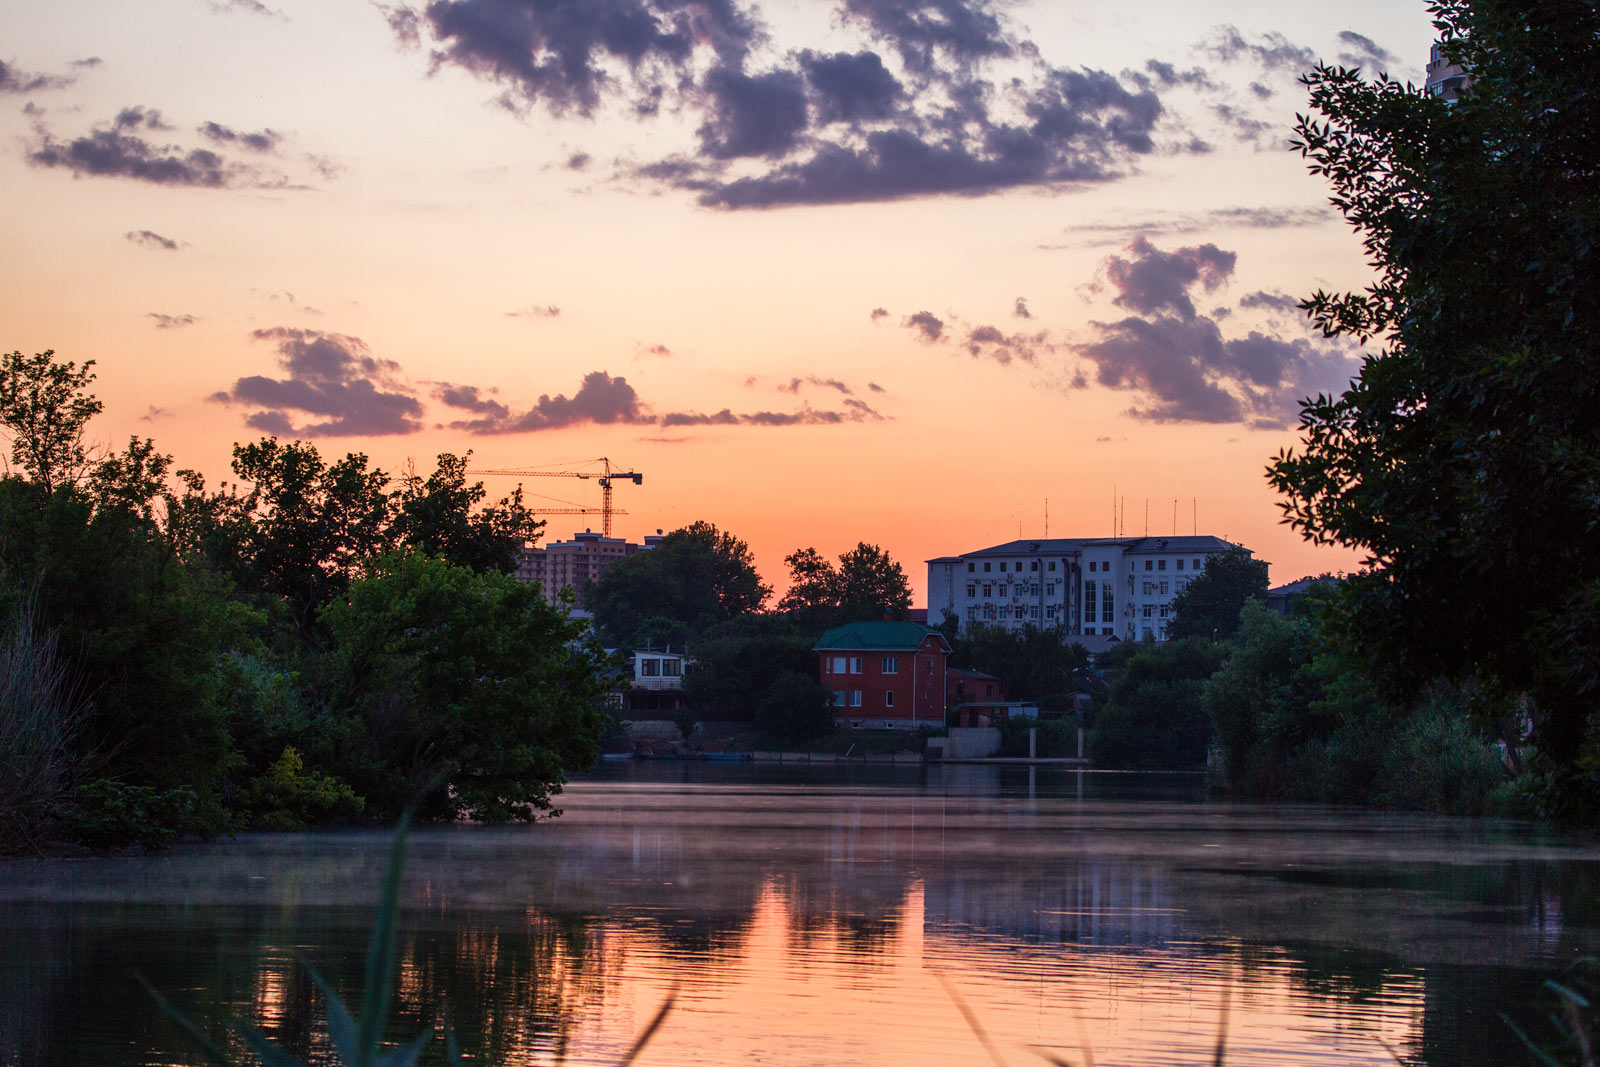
{"x": 814, "y": 916}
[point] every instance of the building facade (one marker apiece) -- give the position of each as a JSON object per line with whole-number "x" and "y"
{"x": 885, "y": 675}
{"x": 570, "y": 564}
{"x": 1120, "y": 587}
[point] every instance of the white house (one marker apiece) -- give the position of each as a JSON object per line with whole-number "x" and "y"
{"x": 1096, "y": 586}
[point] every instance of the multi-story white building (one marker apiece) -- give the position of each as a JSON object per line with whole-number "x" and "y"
{"x": 570, "y": 564}
{"x": 1107, "y": 586}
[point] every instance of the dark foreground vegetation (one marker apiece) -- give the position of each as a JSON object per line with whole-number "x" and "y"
{"x": 314, "y": 641}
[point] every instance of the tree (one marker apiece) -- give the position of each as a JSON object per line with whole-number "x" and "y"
{"x": 1465, "y": 458}
{"x": 1153, "y": 718}
{"x": 45, "y": 406}
{"x": 1208, "y": 607}
{"x": 696, "y": 577}
{"x": 867, "y": 584}
{"x": 1032, "y": 664}
{"x": 440, "y": 516}
{"x": 470, "y": 677}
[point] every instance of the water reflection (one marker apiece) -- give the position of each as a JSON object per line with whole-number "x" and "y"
{"x": 806, "y": 914}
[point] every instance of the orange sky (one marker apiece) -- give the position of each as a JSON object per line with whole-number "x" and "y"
{"x": 236, "y": 208}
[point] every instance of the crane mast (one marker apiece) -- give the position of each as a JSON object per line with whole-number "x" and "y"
{"x": 606, "y": 476}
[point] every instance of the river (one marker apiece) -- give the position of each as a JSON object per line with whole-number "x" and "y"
{"x": 833, "y": 915}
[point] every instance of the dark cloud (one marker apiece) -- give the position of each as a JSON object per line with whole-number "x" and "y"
{"x": 874, "y": 387}
{"x": 151, "y": 239}
{"x": 331, "y": 378}
{"x": 606, "y": 400}
{"x": 599, "y": 399}
{"x": 121, "y": 149}
{"x": 926, "y": 32}
{"x": 814, "y": 128}
{"x": 879, "y": 313}
{"x": 855, "y": 411}
{"x": 1151, "y": 280}
{"x": 763, "y": 115}
{"x": 926, "y": 326}
{"x": 578, "y": 161}
{"x": 88, "y": 62}
{"x": 1271, "y": 51}
{"x": 564, "y": 54}
{"x": 170, "y": 322}
{"x": 1275, "y": 301}
{"x": 1357, "y": 50}
{"x": 259, "y": 141}
{"x": 990, "y": 342}
{"x": 13, "y": 80}
{"x": 1240, "y": 217}
{"x": 1247, "y": 127}
{"x": 535, "y": 311}
{"x": 794, "y": 385}
{"x": 1020, "y": 310}
{"x": 1181, "y": 363}
{"x": 1168, "y": 75}
{"x": 660, "y": 351}
{"x": 850, "y": 87}
{"x": 471, "y": 398}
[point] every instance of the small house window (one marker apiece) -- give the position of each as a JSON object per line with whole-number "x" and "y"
{"x": 649, "y": 668}
{"x": 891, "y": 665}
{"x": 1180, "y": 564}
{"x": 855, "y": 664}
{"x": 855, "y": 698}
{"x": 1149, "y": 564}
{"x": 888, "y": 699}
{"x": 986, "y": 566}
{"x": 1161, "y": 564}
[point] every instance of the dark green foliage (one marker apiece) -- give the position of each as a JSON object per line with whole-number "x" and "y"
{"x": 1153, "y": 718}
{"x": 1465, "y": 460}
{"x": 737, "y": 661}
{"x": 1032, "y": 664}
{"x": 795, "y": 708}
{"x": 695, "y": 578}
{"x": 44, "y": 407}
{"x": 866, "y": 586}
{"x": 1053, "y": 738}
{"x": 289, "y": 797}
{"x": 469, "y": 679}
{"x": 1209, "y": 606}
{"x": 108, "y": 815}
{"x": 1296, "y": 717}
{"x": 441, "y": 516}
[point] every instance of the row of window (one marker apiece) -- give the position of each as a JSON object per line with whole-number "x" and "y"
{"x": 1016, "y": 565}
{"x": 1021, "y": 589}
{"x": 852, "y": 665}
{"x": 989, "y": 612}
{"x": 852, "y": 698}
{"x": 660, "y": 668}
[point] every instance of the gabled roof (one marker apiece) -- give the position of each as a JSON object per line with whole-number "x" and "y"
{"x": 878, "y": 637}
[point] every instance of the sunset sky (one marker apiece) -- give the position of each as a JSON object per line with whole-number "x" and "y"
{"x": 879, "y": 270}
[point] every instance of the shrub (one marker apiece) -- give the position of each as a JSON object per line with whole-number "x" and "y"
{"x": 108, "y": 815}
{"x": 288, "y": 797}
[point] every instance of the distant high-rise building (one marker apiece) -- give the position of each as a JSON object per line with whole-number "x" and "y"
{"x": 1119, "y": 587}
{"x": 1445, "y": 80}
{"x": 571, "y": 564}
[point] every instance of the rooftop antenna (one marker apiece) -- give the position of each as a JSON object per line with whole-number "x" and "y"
{"x": 1196, "y": 504}
{"x": 1047, "y": 517}
{"x": 1147, "y": 516}
{"x": 1174, "y": 516}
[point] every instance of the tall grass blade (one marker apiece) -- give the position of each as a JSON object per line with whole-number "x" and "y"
{"x": 341, "y": 1026}
{"x": 197, "y": 1035}
{"x": 1222, "y": 1028}
{"x": 270, "y": 1055}
{"x": 972, "y": 1020}
{"x": 650, "y": 1030}
{"x": 408, "y": 1054}
{"x": 377, "y": 989}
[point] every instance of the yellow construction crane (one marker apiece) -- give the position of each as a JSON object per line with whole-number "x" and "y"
{"x": 606, "y": 476}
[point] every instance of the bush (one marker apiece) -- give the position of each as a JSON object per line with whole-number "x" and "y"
{"x": 41, "y": 714}
{"x": 109, "y": 815}
{"x": 288, "y": 797}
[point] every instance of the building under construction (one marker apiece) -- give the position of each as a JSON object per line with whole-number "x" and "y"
{"x": 570, "y": 564}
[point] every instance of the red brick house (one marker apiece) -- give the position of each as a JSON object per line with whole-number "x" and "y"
{"x": 885, "y": 675}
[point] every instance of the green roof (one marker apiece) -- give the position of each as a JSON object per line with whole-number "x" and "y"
{"x": 878, "y": 636}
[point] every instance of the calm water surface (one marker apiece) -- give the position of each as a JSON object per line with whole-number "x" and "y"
{"x": 824, "y": 916}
